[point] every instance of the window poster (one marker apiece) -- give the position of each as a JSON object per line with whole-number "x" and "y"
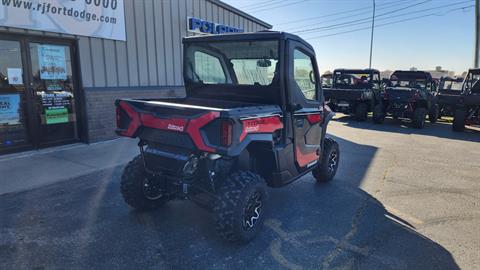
{"x": 14, "y": 76}
{"x": 10, "y": 109}
{"x": 57, "y": 106}
{"x": 52, "y": 62}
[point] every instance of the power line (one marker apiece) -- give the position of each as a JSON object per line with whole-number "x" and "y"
{"x": 275, "y": 7}
{"x": 394, "y": 22}
{"x": 264, "y": 4}
{"x": 254, "y": 4}
{"x": 369, "y": 20}
{"x": 385, "y": 6}
{"x": 343, "y": 12}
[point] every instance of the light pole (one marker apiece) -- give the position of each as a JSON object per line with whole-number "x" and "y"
{"x": 371, "y": 39}
{"x": 477, "y": 38}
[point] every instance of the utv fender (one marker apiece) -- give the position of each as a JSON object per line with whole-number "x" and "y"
{"x": 249, "y": 140}
{"x": 329, "y": 114}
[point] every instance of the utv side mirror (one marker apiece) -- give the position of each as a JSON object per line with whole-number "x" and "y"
{"x": 264, "y": 63}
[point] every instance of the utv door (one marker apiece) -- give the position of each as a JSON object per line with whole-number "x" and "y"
{"x": 305, "y": 103}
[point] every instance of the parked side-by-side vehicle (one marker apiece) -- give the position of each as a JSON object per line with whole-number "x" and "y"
{"x": 253, "y": 117}
{"x": 411, "y": 95}
{"x": 354, "y": 91}
{"x": 449, "y": 90}
{"x": 467, "y": 106}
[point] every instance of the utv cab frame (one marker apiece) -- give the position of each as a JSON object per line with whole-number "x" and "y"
{"x": 354, "y": 91}
{"x": 253, "y": 116}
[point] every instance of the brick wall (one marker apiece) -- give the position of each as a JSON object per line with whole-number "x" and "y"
{"x": 100, "y": 107}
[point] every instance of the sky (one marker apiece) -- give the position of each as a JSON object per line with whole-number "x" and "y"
{"x": 441, "y": 32}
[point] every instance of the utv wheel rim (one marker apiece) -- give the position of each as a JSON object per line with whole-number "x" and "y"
{"x": 252, "y": 211}
{"x": 332, "y": 162}
{"x": 152, "y": 189}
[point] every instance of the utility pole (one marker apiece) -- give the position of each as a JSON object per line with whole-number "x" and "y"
{"x": 373, "y": 27}
{"x": 477, "y": 38}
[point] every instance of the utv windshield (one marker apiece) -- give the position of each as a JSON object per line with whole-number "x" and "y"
{"x": 352, "y": 80}
{"x": 233, "y": 63}
{"x": 451, "y": 84}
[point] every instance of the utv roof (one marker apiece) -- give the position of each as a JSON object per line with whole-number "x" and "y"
{"x": 474, "y": 70}
{"x": 261, "y": 35}
{"x": 411, "y": 75}
{"x": 353, "y": 70}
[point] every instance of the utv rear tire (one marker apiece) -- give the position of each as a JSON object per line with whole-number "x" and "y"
{"x": 361, "y": 112}
{"x": 433, "y": 114}
{"x": 133, "y": 190}
{"x": 235, "y": 219}
{"x": 326, "y": 170}
{"x": 378, "y": 114}
{"x": 459, "y": 120}
{"x": 418, "y": 119}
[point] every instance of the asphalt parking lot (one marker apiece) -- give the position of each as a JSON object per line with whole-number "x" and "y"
{"x": 402, "y": 199}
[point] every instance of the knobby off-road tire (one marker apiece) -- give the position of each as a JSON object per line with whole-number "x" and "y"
{"x": 326, "y": 170}
{"x": 132, "y": 187}
{"x": 433, "y": 114}
{"x": 378, "y": 114}
{"x": 237, "y": 203}
{"x": 361, "y": 112}
{"x": 418, "y": 119}
{"x": 459, "y": 119}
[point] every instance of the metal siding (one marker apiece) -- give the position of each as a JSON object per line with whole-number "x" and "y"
{"x": 160, "y": 38}
{"x": 183, "y": 12}
{"x": 131, "y": 43}
{"x": 168, "y": 37}
{"x": 98, "y": 62}
{"x": 85, "y": 61}
{"x": 176, "y": 43}
{"x": 110, "y": 63}
{"x": 140, "y": 36}
{"x": 122, "y": 63}
{"x": 221, "y": 15}
{"x": 151, "y": 42}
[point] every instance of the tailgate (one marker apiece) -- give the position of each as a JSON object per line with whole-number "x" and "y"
{"x": 342, "y": 94}
{"x": 165, "y": 123}
{"x": 399, "y": 95}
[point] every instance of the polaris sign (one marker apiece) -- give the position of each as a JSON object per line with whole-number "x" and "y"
{"x": 205, "y": 27}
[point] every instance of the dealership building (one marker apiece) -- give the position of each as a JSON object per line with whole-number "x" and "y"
{"x": 63, "y": 63}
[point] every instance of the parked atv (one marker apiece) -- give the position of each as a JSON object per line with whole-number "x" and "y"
{"x": 449, "y": 91}
{"x": 253, "y": 117}
{"x": 354, "y": 91}
{"x": 411, "y": 94}
{"x": 467, "y": 107}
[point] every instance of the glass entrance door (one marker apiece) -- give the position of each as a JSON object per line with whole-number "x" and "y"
{"x": 53, "y": 85}
{"x": 13, "y": 97}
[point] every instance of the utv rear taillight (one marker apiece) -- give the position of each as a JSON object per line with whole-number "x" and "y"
{"x": 122, "y": 117}
{"x": 226, "y": 129}
{"x": 117, "y": 116}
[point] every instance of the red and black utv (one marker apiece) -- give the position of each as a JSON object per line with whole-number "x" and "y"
{"x": 412, "y": 95}
{"x": 467, "y": 106}
{"x": 354, "y": 91}
{"x": 253, "y": 117}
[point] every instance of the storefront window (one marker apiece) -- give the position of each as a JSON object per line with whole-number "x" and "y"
{"x": 54, "y": 90}
{"x": 12, "y": 99}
